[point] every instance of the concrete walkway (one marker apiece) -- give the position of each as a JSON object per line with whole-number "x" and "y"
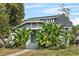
{"x": 17, "y": 53}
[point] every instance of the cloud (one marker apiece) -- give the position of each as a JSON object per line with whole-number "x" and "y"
{"x": 72, "y": 6}
{"x": 51, "y": 10}
{"x": 75, "y": 21}
{"x": 75, "y": 9}
{"x": 55, "y": 10}
{"x": 33, "y": 6}
{"x": 75, "y": 13}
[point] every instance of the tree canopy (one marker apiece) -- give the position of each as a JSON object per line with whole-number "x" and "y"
{"x": 11, "y": 14}
{"x": 15, "y": 13}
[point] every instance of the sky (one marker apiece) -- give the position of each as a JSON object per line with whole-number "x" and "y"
{"x": 50, "y": 9}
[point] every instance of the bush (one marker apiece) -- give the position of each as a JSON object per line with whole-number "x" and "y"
{"x": 21, "y": 37}
{"x": 73, "y": 34}
{"x": 49, "y": 36}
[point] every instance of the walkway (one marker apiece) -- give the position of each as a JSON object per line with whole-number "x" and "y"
{"x": 17, "y": 53}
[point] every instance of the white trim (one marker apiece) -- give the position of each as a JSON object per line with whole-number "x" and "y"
{"x": 28, "y": 22}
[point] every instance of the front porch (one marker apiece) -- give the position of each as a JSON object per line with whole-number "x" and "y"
{"x": 34, "y": 26}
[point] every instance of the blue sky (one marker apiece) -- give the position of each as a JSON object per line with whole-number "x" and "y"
{"x": 48, "y": 9}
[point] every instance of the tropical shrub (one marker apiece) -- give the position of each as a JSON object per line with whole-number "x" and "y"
{"x": 51, "y": 35}
{"x": 21, "y": 37}
{"x": 65, "y": 39}
{"x": 73, "y": 34}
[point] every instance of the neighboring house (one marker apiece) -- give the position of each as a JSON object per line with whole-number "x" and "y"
{"x": 35, "y": 24}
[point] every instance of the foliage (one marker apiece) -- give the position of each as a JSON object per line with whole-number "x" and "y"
{"x": 73, "y": 34}
{"x": 65, "y": 39}
{"x": 21, "y": 37}
{"x": 51, "y": 35}
{"x": 15, "y": 12}
{"x": 64, "y": 10}
{"x": 10, "y": 15}
{"x": 4, "y": 26}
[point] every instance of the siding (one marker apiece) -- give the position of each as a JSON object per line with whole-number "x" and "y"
{"x": 63, "y": 20}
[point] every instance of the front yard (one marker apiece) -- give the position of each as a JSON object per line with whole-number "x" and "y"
{"x": 71, "y": 51}
{"x": 6, "y": 51}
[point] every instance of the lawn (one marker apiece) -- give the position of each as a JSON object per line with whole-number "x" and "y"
{"x": 70, "y": 51}
{"x": 6, "y": 51}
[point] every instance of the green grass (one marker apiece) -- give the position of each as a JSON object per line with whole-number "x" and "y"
{"x": 70, "y": 51}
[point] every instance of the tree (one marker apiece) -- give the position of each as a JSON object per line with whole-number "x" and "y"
{"x": 15, "y": 12}
{"x": 64, "y": 10}
{"x": 10, "y": 15}
{"x": 4, "y": 26}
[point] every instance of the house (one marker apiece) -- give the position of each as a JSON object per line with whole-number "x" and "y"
{"x": 35, "y": 24}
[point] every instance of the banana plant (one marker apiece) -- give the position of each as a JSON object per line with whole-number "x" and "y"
{"x": 21, "y": 36}
{"x": 49, "y": 35}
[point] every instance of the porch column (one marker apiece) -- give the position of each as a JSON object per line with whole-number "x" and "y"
{"x": 31, "y": 25}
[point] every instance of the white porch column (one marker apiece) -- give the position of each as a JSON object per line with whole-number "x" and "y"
{"x": 31, "y": 25}
{"x": 53, "y": 20}
{"x": 37, "y": 24}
